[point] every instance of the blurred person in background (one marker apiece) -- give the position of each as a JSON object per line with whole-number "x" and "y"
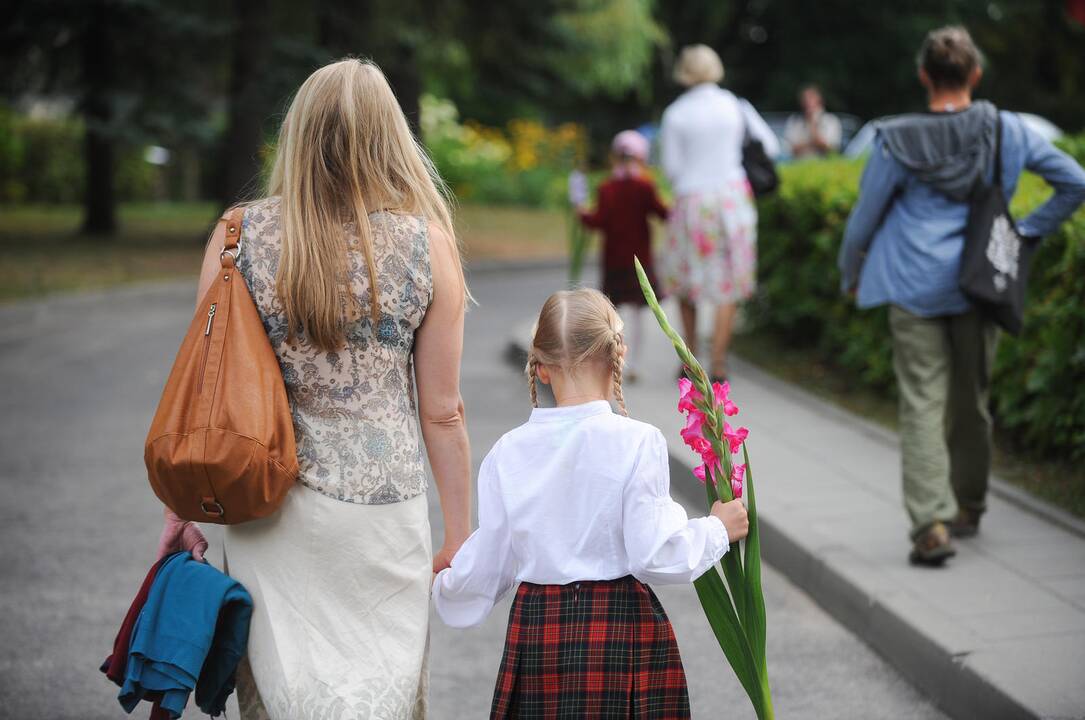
{"x": 626, "y": 202}
{"x": 813, "y": 132}
{"x": 902, "y": 247}
{"x": 711, "y": 253}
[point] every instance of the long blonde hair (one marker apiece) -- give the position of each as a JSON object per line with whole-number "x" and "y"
{"x": 344, "y": 150}
{"x": 576, "y": 327}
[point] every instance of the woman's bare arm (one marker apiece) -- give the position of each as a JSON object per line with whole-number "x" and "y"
{"x": 437, "y": 354}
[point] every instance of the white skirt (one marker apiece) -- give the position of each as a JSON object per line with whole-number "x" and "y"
{"x": 340, "y": 623}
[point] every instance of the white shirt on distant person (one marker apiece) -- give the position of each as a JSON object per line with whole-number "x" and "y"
{"x": 702, "y": 134}
{"x": 577, "y": 493}
{"x": 798, "y": 136}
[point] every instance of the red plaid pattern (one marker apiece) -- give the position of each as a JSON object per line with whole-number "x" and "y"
{"x": 590, "y": 650}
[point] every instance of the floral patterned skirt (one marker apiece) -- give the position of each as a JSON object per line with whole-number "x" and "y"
{"x": 340, "y": 620}
{"x": 711, "y": 252}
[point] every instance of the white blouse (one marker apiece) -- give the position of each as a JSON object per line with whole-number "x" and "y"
{"x": 576, "y": 493}
{"x": 701, "y": 138}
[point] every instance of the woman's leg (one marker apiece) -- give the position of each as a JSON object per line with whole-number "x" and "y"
{"x": 688, "y": 310}
{"x": 721, "y": 337}
{"x": 632, "y": 317}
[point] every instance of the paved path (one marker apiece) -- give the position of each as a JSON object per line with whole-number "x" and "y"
{"x": 78, "y": 522}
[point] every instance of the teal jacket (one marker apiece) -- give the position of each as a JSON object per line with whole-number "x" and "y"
{"x": 190, "y": 635}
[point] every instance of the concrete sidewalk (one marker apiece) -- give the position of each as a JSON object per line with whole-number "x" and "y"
{"x": 998, "y": 633}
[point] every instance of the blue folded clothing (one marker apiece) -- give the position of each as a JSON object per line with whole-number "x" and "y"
{"x": 190, "y": 635}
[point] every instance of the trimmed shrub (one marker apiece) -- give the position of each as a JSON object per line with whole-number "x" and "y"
{"x": 41, "y": 161}
{"x": 1039, "y": 377}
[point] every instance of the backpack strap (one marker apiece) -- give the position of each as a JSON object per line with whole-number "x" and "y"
{"x": 998, "y": 149}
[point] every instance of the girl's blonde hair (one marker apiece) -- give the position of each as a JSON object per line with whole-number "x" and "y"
{"x": 345, "y": 150}
{"x": 577, "y": 327}
{"x": 698, "y": 64}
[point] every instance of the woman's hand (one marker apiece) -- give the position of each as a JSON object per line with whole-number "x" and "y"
{"x": 178, "y": 535}
{"x": 733, "y": 516}
{"x": 442, "y": 559}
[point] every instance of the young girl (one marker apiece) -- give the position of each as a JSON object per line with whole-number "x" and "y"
{"x": 575, "y": 505}
{"x": 626, "y": 201}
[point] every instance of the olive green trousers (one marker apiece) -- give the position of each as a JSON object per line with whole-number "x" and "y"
{"x": 943, "y": 369}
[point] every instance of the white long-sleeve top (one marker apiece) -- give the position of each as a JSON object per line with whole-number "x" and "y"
{"x": 576, "y": 493}
{"x": 701, "y": 137}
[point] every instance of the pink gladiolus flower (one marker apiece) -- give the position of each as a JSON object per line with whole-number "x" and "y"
{"x": 687, "y": 395}
{"x": 721, "y": 391}
{"x": 701, "y": 446}
{"x": 701, "y": 471}
{"x": 737, "y": 473}
{"x": 708, "y": 455}
{"x": 694, "y": 421}
{"x": 735, "y": 437}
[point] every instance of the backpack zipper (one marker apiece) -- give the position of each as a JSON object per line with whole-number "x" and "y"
{"x": 206, "y": 345}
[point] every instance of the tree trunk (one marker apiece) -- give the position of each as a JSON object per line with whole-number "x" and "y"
{"x": 250, "y": 52}
{"x": 403, "y": 76}
{"x": 99, "y": 201}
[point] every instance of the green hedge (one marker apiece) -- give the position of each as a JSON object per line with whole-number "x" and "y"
{"x": 1039, "y": 378}
{"x": 41, "y": 161}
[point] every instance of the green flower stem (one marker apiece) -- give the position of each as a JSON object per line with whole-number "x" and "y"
{"x": 736, "y": 608}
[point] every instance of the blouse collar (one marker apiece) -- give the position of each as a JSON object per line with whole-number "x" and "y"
{"x": 570, "y": 412}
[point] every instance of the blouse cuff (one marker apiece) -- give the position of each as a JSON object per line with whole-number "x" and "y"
{"x": 718, "y": 542}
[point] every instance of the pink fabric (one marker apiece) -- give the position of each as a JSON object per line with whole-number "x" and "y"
{"x": 178, "y": 535}
{"x": 630, "y": 143}
{"x": 631, "y": 148}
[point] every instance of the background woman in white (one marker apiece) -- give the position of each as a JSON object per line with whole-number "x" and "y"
{"x": 711, "y": 255}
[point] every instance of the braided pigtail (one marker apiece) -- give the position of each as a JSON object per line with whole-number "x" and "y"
{"x": 616, "y": 370}
{"x": 532, "y": 369}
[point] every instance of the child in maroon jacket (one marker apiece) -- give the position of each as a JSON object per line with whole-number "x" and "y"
{"x": 626, "y": 200}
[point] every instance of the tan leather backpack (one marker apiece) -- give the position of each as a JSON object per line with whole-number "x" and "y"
{"x": 221, "y": 445}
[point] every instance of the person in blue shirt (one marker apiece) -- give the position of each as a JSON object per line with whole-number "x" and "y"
{"x": 902, "y": 247}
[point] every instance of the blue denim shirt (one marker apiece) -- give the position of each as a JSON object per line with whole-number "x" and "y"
{"x": 913, "y": 235}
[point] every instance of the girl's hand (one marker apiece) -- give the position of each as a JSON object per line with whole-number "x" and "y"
{"x": 733, "y": 516}
{"x": 178, "y": 535}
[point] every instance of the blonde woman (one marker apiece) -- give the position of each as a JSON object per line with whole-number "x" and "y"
{"x": 711, "y": 254}
{"x": 353, "y": 265}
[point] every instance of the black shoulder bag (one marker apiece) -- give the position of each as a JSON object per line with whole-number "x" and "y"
{"x": 759, "y": 167}
{"x": 995, "y": 260}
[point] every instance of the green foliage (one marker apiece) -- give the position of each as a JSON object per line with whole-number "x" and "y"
{"x": 524, "y": 163}
{"x": 41, "y": 161}
{"x": 609, "y": 46}
{"x": 1037, "y": 400}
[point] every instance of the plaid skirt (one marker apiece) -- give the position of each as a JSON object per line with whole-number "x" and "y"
{"x": 601, "y": 649}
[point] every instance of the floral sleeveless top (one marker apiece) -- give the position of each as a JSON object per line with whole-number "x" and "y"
{"x": 355, "y": 420}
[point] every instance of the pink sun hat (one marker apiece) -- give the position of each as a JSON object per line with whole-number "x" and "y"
{"x": 630, "y": 143}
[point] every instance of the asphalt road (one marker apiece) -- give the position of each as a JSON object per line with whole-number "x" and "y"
{"x": 78, "y": 523}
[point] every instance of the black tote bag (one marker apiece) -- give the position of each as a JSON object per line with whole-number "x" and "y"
{"x": 996, "y": 259}
{"x": 759, "y": 167}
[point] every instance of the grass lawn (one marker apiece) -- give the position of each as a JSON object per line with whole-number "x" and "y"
{"x": 1060, "y": 483}
{"x": 41, "y": 250}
